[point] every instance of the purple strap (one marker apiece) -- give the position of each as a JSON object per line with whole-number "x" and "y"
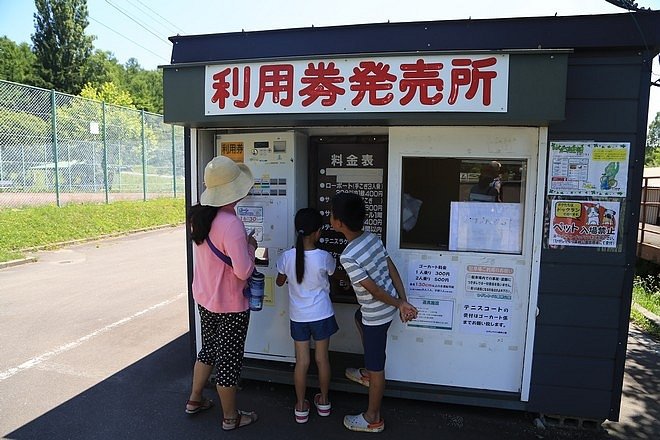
{"x": 218, "y": 252}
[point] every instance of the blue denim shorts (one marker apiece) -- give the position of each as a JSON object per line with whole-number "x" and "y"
{"x": 374, "y": 341}
{"x": 319, "y": 330}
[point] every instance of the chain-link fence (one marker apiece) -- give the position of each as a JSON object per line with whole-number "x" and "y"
{"x": 57, "y": 149}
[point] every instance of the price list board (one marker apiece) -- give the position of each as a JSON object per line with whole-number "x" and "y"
{"x": 359, "y": 168}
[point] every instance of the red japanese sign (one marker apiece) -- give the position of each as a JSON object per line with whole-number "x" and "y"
{"x": 428, "y": 83}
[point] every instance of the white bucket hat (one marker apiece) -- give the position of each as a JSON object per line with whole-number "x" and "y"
{"x": 226, "y": 182}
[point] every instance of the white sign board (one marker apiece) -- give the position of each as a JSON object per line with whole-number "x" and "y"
{"x": 421, "y": 83}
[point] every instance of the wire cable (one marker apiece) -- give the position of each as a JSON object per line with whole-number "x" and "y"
{"x": 125, "y": 37}
{"x": 150, "y": 15}
{"x": 165, "y": 19}
{"x": 143, "y": 26}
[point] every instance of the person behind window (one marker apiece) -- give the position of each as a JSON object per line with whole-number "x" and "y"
{"x": 488, "y": 189}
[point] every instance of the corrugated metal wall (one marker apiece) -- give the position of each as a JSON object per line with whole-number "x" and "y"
{"x": 584, "y": 293}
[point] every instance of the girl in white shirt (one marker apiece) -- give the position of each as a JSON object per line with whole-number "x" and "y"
{"x": 310, "y": 310}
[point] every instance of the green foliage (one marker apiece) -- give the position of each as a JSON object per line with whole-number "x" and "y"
{"x": 652, "y": 158}
{"x": 646, "y": 293}
{"x": 108, "y": 92}
{"x": 16, "y": 62}
{"x": 60, "y": 44}
{"x": 48, "y": 225}
{"x": 28, "y": 125}
{"x": 103, "y": 67}
{"x": 146, "y": 86}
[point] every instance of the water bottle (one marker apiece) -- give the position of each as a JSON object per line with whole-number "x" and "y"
{"x": 256, "y": 300}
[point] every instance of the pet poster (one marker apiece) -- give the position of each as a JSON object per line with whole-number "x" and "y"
{"x": 588, "y": 169}
{"x": 584, "y": 223}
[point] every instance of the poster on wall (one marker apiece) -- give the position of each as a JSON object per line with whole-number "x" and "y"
{"x": 485, "y": 227}
{"x": 428, "y": 278}
{"x": 485, "y": 318}
{"x": 489, "y": 282}
{"x": 588, "y": 169}
{"x": 436, "y": 314}
{"x": 430, "y": 283}
{"x": 584, "y": 223}
{"x": 359, "y": 169}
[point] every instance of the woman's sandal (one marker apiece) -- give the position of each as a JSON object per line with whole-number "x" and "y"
{"x": 243, "y": 418}
{"x": 198, "y": 406}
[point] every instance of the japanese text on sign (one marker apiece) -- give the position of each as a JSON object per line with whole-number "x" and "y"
{"x": 485, "y": 318}
{"x": 456, "y": 83}
{"x": 588, "y": 169}
{"x": 586, "y": 223}
{"x": 489, "y": 282}
{"x": 425, "y": 278}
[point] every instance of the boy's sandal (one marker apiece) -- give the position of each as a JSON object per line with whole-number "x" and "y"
{"x": 195, "y": 406}
{"x": 358, "y": 375}
{"x": 302, "y": 416}
{"x": 360, "y": 424}
{"x": 323, "y": 409}
{"x": 243, "y": 418}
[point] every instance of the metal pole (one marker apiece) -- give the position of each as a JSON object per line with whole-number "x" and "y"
{"x": 144, "y": 161}
{"x": 54, "y": 142}
{"x": 173, "y": 163}
{"x": 105, "y": 155}
{"x": 645, "y": 188}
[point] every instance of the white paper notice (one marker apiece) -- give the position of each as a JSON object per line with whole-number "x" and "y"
{"x": 489, "y": 282}
{"x": 485, "y": 318}
{"x": 427, "y": 278}
{"x": 432, "y": 313}
{"x": 485, "y": 227}
{"x": 430, "y": 283}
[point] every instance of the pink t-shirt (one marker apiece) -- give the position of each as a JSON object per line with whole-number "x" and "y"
{"x": 216, "y": 286}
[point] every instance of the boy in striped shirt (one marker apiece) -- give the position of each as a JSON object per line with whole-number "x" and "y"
{"x": 380, "y": 293}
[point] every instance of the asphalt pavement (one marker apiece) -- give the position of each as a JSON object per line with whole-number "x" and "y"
{"x": 127, "y": 376}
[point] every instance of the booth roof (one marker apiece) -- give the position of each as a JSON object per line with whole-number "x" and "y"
{"x": 611, "y": 31}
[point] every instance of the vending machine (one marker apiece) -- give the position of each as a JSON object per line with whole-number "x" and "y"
{"x": 278, "y": 162}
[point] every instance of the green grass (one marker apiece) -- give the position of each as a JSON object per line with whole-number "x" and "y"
{"x": 132, "y": 181}
{"x": 646, "y": 293}
{"x": 44, "y": 226}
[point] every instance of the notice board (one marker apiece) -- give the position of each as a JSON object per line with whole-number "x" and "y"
{"x": 356, "y": 165}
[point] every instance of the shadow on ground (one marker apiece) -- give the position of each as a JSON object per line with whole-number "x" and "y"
{"x": 146, "y": 401}
{"x": 641, "y": 389}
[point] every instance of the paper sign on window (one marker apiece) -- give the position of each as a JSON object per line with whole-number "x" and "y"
{"x": 485, "y": 227}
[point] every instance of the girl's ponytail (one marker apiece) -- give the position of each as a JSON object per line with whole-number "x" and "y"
{"x": 300, "y": 256}
{"x": 307, "y": 221}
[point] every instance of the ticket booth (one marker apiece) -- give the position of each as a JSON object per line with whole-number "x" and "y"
{"x": 500, "y": 161}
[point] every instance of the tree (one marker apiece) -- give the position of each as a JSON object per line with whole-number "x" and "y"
{"x": 146, "y": 86}
{"x": 60, "y": 44}
{"x": 16, "y": 62}
{"x": 653, "y": 143}
{"x": 108, "y": 92}
{"x": 103, "y": 67}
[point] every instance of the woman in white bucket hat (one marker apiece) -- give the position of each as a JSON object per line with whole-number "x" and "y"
{"x": 218, "y": 287}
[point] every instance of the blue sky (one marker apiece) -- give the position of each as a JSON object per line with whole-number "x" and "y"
{"x": 112, "y": 21}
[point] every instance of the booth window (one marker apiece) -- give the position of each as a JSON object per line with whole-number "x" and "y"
{"x": 463, "y": 205}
